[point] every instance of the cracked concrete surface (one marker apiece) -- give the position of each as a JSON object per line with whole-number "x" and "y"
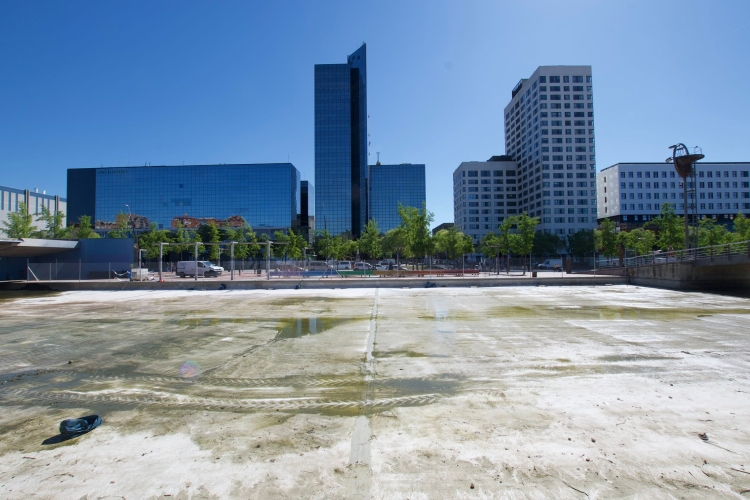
{"x": 577, "y": 392}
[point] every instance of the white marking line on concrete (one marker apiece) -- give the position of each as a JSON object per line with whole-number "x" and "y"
{"x": 359, "y": 486}
{"x": 361, "y": 442}
{"x": 371, "y": 336}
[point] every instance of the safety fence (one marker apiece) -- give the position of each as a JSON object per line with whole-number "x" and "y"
{"x": 725, "y": 250}
{"x": 249, "y": 269}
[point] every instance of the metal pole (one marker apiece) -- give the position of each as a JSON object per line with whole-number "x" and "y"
{"x": 685, "y": 204}
{"x": 195, "y": 274}
{"x": 161, "y": 256}
{"x": 268, "y": 260}
{"x": 27, "y": 269}
{"x": 79, "y": 269}
{"x": 231, "y": 256}
{"x": 109, "y": 271}
{"x": 50, "y": 271}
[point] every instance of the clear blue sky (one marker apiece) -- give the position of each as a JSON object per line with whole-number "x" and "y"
{"x": 85, "y": 84}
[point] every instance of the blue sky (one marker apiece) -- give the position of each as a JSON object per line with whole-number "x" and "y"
{"x": 86, "y": 84}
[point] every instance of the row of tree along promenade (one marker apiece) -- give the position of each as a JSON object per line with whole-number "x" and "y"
{"x": 411, "y": 240}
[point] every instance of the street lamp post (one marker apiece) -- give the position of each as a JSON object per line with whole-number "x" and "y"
{"x": 684, "y": 165}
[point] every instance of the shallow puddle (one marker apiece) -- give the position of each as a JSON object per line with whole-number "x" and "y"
{"x": 299, "y": 327}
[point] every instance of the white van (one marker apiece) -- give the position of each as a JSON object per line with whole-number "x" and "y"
{"x": 205, "y": 269}
{"x": 344, "y": 265}
{"x": 551, "y": 264}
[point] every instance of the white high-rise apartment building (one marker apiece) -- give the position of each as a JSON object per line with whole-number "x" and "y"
{"x": 484, "y": 193}
{"x": 632, "y": 193}
{"x": 549, "y": 132}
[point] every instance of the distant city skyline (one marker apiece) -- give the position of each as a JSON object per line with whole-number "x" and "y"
{"x": 96, "y": 84}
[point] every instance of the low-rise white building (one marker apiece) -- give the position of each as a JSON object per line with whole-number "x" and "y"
{"x": 632, "y": 193}
{"x": 11, "y": 198}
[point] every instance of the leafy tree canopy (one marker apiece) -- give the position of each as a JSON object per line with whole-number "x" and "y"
{"x": 20, "y": 224}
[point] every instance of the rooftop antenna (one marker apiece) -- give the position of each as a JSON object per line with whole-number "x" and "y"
{"x": 378, "y": 153}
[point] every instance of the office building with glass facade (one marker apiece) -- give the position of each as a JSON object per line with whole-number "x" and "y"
{"x": 631, "y": 194}
{"x": 307, "y": 214}
{"x": 264, "y": 195}
{"x": 11, "y": 198}
{"x": 389, "y": 185}
{"x": 549, "y": 132}
{"x": 341, "y": 144}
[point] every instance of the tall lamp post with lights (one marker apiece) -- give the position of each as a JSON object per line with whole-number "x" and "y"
{"x": 684, "y": 164}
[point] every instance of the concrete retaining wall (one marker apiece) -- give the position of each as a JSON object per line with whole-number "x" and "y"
{"x": 718, "y": 274}
{"x": 287, "y": 284}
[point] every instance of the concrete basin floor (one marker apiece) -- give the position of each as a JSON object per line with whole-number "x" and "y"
{"x": 528, "y": 392}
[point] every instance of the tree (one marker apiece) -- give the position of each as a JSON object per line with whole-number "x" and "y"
{"x": 416, "y": 222}
{"x": 369, "y": 243}
{"x": 581, "y": 243}
{"x": 641, "y": 240}
{"x": 671, "y": 228}
{"x": 53, "y": 224}
{"x": 20, "y": 223}
{"x": 710, "y": 233}
{"x": 506, "y": 239}
{"x": 245, "y": 234}
{"x": 150, "y": 240}
{"x": 293, "y": 249}
{"x": 741, "y": 227}
{"x": 84, "y": 229}
{"x": 349, "y": 248}
{"x": 209, "y": 233}
{"x": 280, "y": 250}
{"x": 453, "y": 243}
{"x": 185, "y": 238}
{"x": 396, "y": 242}
{"x": 546, "y": 244}
{"x": 524, "y": 242}
{"x": 122, "y": 229}
{"x": 606, "y": 239}
{"x": 465, "y": 244}
{"x": 490, "y": 245}
{"x": 327, "y": 246}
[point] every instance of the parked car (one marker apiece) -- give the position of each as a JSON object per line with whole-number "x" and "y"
{"x": 204, "y": 268}
{"x": 344, "y": 265}
{"x": 386, "y": 262}
{"x": 319, "y": 265}
{"x": 551, "y": 264}
{"x": 362, "y": 266}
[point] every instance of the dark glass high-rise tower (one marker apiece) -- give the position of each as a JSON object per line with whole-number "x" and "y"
{"x": 341, "y": 144}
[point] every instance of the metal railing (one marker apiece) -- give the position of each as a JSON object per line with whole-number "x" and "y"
{"x": 728, "y": 250}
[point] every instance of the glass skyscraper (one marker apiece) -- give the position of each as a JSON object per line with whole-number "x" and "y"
{"x": 265, "y": 195}
{"x": 390, "y": 185}
{"x": 341, "y": 144}
{"x": 307, "y": 213}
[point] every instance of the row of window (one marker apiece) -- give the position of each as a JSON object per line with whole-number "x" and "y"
{"x": 702, "y": 206}
{"x": 488, "y": 173}
{"x": 556, "y": 88}
{"x": 701, "y": 173}
{"x": 673, "y": 185}
{"x": 565, "y": 79}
